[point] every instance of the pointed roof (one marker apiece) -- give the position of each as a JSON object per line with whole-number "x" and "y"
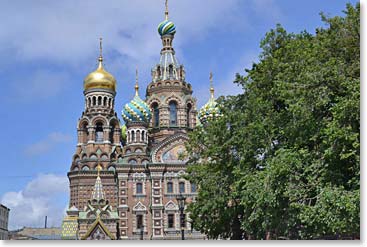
{"x": 98, "y": 192}
{"x": 98, "y": 224}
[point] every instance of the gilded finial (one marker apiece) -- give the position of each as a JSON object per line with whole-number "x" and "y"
{"x": 99, "y": 168}
{"x": 166, "y": 13}
{"x": 211, "y": 85}
{"x": 100, "y": 58}
{"x": 136, "y": 82}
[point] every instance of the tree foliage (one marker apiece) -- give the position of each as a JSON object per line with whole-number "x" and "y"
{"x": 284, "y": 160}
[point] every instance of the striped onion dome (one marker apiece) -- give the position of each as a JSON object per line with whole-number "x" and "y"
{"x": 209, "y": 111}
{"x": 136, "y": 110}
{"x": 166, "y": 27}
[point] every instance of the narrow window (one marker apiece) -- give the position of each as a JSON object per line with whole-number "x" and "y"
{"x": 111, "y": 134}
{"x": 188, "y": 114}
{"x": 169, "y": 187}
{"x": 133, "y": 136}
{"x": 139, "y": 221}
{"x": 170, "y": 71}
{"x": 182, "y": 187}
{"x": 138, "y": 136}
{"x": 171, "y": 220}
{"x": 139, "y": 188}
{"x": 173, "y": 113}
{"x": 99, "y": 132}
{"x": 155, "y": 115}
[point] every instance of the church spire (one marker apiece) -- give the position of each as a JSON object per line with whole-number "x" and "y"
{"x": 166, "y": 12}
{"x": 136, "y": 82}
{"x": 98, "y": 192}
{"x": 100, "y": 58}
{"x": 211, "y": 85}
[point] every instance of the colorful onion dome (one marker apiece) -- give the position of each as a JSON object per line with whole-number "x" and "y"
{"x": 166, "y": 27}
{"x": 100, "y": 78}
{"x": 137, "y": 109}
{"x": 210, "y": 110}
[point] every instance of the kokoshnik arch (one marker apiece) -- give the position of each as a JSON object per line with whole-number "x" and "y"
{"x": 124, "y": 180}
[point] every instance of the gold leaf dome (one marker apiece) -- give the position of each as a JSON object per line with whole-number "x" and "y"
{"x": 100, "y": 78}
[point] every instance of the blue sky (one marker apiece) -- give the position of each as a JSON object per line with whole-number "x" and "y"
{"x": 48, "y": 47}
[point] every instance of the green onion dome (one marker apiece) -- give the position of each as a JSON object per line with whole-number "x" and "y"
{"x": 136, "y": 110}
{"x": 166, "y": 27}
{"x": 209, "y": 111}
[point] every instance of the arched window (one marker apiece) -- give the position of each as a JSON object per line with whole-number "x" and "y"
{"x": 170, "y": 71}
{"x": 85, "y": 168}
{"x": 138, "y": 136}
{"x": 85, "y": 133}
{"x": 132, "y": 136}
{"x": 89, "y": 102}
{"x": 94, "y": 100}
{"x": 159, "y": 71}
{"x": 109, "y": 102}
{"x": 169, "y": 187}
{"x": 139, "y": 188}
{"x": 188, "y": 114}
{"x": 99, "y": 132}
{"x": 132, "y": 162}
{"x": 181, "y": 187}
{"x": 111, "y": 168}
{"x": 155, "y": 115}
{"x": 173, "y": 113}
{"x": 99, "y": 100}
{"x": 143, "y": 136}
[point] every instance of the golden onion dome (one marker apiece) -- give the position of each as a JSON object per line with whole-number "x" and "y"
{"x": 100, "y": 78}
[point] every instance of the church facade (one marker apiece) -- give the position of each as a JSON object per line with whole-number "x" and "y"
{"x": 125, "y": 180}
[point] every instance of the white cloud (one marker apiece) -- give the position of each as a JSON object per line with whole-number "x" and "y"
{"x": 39, "y": 198}
{"x": 68, "y": 31}
{"x": 65, "y": 33}
{"x": 47, "y": 144}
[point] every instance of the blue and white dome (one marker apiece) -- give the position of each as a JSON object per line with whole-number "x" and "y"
{"x": 136, "y": 110}
{"x": 166, "y": 27}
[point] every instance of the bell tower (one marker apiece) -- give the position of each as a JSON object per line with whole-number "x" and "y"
{"x": 99, "y": 138}
{"x": 169, "y": 95}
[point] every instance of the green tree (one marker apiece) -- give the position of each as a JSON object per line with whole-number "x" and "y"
{"x": 284, "y": 160}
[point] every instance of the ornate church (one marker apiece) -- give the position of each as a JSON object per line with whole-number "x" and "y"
{"x": 127, "y": 181}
